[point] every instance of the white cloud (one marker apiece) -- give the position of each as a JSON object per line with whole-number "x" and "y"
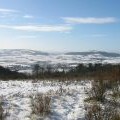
{"x": 39, "y": 28}
{"x": 28, "y": 16}
{"x": 89, "y": 20}
{"x": 5, "y": 13}
{"x": 7, "y": 10}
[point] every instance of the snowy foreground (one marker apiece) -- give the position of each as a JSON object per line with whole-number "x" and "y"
{"x": 67, "y": 99}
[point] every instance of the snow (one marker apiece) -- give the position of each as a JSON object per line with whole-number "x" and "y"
{"x": 66, "y": 105}
{"x": 28, "y": 58}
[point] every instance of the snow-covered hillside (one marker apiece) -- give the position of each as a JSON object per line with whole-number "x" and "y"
{"x": 67, "y": 105}
{"x": 26, "y": 58}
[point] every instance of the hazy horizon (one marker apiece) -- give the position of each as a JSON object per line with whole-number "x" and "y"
{"x": 65, "y": 51}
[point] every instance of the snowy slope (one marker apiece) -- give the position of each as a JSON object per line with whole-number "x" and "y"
{"x": 68, "y": 105}
{"x": 26, "y": 58}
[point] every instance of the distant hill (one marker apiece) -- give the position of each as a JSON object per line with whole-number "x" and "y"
{"x": 106, "y": 54}
{"x": 21, "y": 52}
{"x": 24, "y": 59}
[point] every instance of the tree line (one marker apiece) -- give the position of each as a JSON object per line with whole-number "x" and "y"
{"x": 6, "y": 74}
{"x": 81, "y": 71}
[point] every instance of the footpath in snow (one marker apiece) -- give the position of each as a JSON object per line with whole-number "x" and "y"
{"x": 67, "y": 99}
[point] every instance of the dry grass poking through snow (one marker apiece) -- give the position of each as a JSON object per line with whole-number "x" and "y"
{"x": 3, "y": 113}
{"x": 101, "y": 104}
{"x": 46, "y": 100}
{"x": 40, "y": 104}
{"x": 99, "y": 112}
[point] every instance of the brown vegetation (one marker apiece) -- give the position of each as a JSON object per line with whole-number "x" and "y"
{"x": 40, "y": 104}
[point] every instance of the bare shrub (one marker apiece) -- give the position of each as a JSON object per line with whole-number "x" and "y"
{"x": 41, "y": 104}
{"x": 96, "y": 112}
{"x": 100, "y": 108}
{"x": 93, "y": 112}
{"x": 97, "y": 91}
{"x": 116, "y": 90}
{"x": 3, "y": 113}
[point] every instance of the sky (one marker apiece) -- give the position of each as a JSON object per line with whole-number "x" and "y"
{"x": 60, "y": 25}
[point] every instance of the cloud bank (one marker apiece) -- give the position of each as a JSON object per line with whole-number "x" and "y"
{"x": 89, "y": 20}
{"x": 7, "y": 10}
{"x": 6, "y": 13}
{"x": 38, "y": 28}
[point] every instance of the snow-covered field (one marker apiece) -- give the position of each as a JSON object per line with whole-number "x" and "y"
{"x": 26, "y": 58}
{"x": 67, "y": 98}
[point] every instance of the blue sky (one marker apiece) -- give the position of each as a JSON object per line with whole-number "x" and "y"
{"x": 60, "y": 25}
